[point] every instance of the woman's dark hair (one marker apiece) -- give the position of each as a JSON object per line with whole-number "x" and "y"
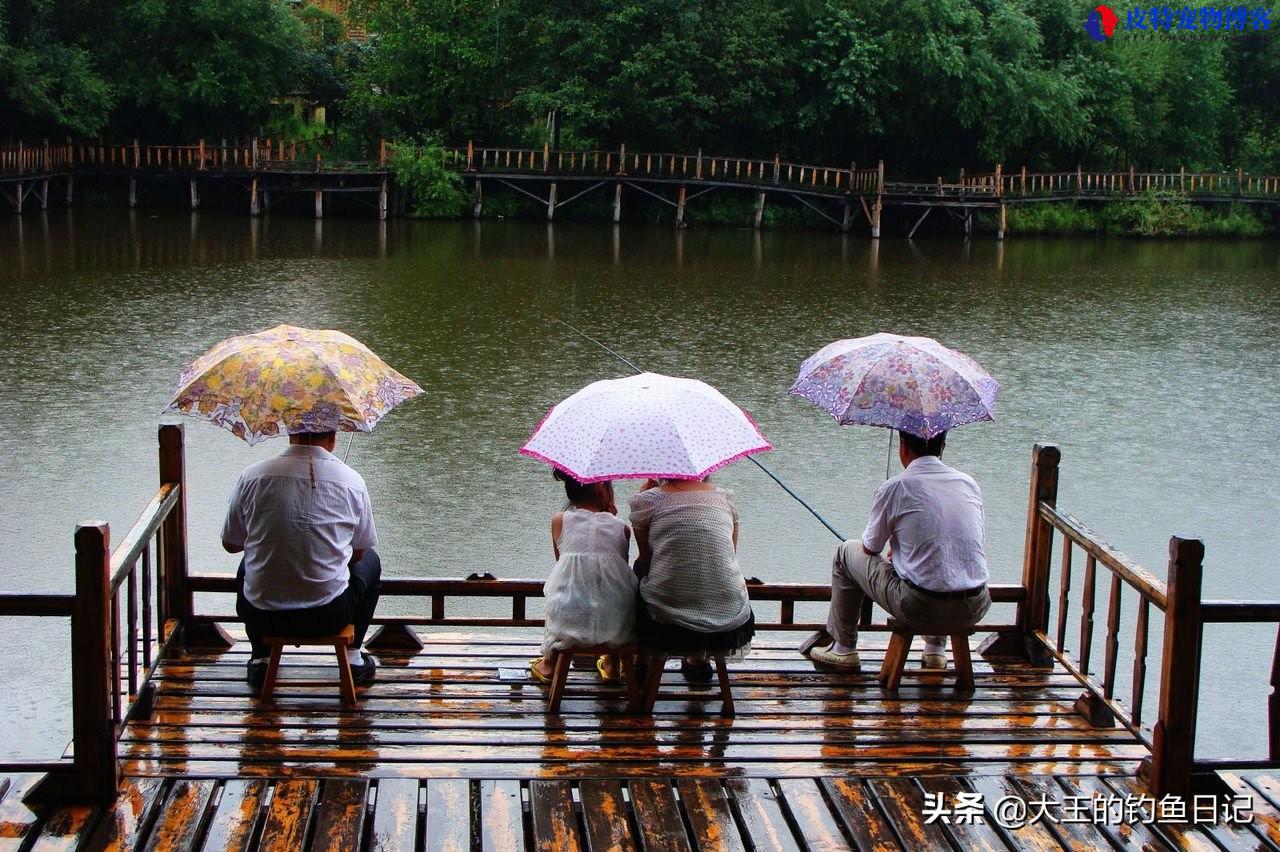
{"x": 576, "y": 491}
{"x": 921, "y": 447}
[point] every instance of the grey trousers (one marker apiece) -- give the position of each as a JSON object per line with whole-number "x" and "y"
{"x": 856, "y": 575}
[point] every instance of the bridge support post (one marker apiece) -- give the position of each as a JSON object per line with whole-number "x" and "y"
{"x": 551, "y": 203}
{"x": 44, "y": 194}
{"x": 319, "y": 203}
{"x": 382, "y": 200}
{"x": 680, "y": 208}
{"x": 1000, "y": 228}
{"x": 968, "y": 223}
{"x": 846, "y": 221}
{"x": 617, "y": 202}
{"x": 758, "y": 221}
{"x": 477, "y": 200}
{"x": 254, "y": 209}
{"x": 71, "y": 182}
{"x": 17, "y": 198}
{"x": 133, "y": 193}
{"x": 195, "y": 194}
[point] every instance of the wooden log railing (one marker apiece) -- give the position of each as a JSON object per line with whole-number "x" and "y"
{"x": 1081, "y": 183}
{"x": 123, "y": 615}
{"x": 1172, "y": 737}
{"x": 663, "y": 165}
{"x": 515, "y": 594}
{"x": 201, "y": 156}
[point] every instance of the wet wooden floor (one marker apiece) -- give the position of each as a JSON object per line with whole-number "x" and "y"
{"x": 451, "y": 749}
{"x": 466, "y": 708}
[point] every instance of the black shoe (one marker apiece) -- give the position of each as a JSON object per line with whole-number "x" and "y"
{"x": 256, "y": 675}
{"x": 697, "y": 672}
{"x": 363, "y": 673}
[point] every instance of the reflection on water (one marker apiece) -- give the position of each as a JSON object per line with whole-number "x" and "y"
{"x": 1152, "y": 365}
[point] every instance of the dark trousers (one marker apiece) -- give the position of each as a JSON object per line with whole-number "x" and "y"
{"x": 354, "y": 606}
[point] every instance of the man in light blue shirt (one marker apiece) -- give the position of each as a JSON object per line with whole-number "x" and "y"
{"x": 305, "y": 525}
{"x": 934, "y": 578}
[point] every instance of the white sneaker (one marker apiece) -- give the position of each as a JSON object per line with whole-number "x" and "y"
{"x": 934, "y": 659}
{"x": 828, "y": 656}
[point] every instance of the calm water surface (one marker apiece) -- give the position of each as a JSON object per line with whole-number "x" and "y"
{"x": 1152, "y": 365}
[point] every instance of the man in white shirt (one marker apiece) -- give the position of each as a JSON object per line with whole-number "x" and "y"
{"x": 305, "y": 525}
{"x": 935, "y": 577}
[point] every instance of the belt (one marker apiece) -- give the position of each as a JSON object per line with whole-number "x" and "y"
{"x": 963, "y": 593}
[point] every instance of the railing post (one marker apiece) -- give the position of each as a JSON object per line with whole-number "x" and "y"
{"x": 697, "y": 173}
{"x": 1079, "y": 178}
{"x": 253, "y": 149}
{"x": 94, "y": 730}
{"x": 1174, "y": 735}
{"x": 999, "y": 178}
{"x": 622, "y": 159}
{"x": 1133, "y": 182}
{"x": 1273, "y": 706}
{"x": 777, "y": 167}
{"x": 1037, "y": 553}
{"x": 471, "y": 156}
{"x": 173, "y": 531}
{"x": 546, "y": 156}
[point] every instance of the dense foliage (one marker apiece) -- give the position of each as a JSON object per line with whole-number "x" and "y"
{"x": 929, "y": 85}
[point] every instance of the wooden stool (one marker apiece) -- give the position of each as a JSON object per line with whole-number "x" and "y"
{"x": 657, "y": 662}
{"x": 565, "y": 658}
{"x": 895, "y": 659}
{"x": 340, "y": 642}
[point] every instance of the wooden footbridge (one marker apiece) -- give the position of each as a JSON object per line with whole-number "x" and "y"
{"x": 266, "y": 171}
{"x": 452, "y": 748}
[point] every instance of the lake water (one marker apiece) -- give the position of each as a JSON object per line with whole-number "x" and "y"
{"x": 1153, "y": 366}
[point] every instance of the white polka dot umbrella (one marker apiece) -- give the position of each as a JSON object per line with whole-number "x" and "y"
{"x": 647, "y": 425}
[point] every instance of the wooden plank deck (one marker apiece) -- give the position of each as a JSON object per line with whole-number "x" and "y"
{"x": 451, "y": 749}
{"x": 466, "y": 708}
{"x": 640, "y": 813}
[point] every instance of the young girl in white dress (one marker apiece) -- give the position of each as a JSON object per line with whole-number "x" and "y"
{"x": 591, "y": 593}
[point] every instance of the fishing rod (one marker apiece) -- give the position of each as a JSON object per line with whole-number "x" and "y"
{"x": 751, "y": 459}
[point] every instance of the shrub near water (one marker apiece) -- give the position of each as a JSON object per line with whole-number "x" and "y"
{"x": 1149, "y": 215}
{"x": 435, "y": 190}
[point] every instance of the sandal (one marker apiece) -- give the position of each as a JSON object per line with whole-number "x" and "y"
{"x": 603, "y": 672}
{"x": 534, "y": 671}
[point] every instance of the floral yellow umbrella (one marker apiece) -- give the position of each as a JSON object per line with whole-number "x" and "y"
{"x": 286, "y": 380}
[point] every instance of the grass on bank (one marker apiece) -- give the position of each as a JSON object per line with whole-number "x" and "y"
{"x": 1149, "y": 215}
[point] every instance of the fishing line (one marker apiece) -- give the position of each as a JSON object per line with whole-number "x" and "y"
{"x": 751, "y": 459}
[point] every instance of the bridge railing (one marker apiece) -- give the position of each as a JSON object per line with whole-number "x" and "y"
{"x": 34, "y": 159}
{"x": 662, "y": 165}
{"x": 203, "y": 155}
{"x": 1172, "y": 737}
{"x": 123, "y": 616}
{"x": 1077, "y": 183}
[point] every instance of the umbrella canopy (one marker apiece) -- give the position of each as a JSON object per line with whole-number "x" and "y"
{"x": 647, "y": 425}
{"x": 910, "y": 383}
{"x": 287, "y": 380}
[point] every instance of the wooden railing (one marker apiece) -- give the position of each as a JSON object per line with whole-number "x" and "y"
{"x": 239, "y": 155}
{"x": 113, "y": 659}
{"x": 1081, "y": 183}
{"x": 1172, "y": 737}
{"x": 435, "y": 593}
{"x": 695, "y": 167}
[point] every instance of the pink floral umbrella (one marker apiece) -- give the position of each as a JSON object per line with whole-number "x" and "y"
{"x": 647, "y": 425}
{"x": 910, "y": 383}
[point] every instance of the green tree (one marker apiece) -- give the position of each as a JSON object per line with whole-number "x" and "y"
{"x": 48, "y": 83}
{"x": 184, "y": 68}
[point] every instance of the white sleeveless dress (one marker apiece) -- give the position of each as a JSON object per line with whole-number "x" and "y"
{"x": 591, "y": 594}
